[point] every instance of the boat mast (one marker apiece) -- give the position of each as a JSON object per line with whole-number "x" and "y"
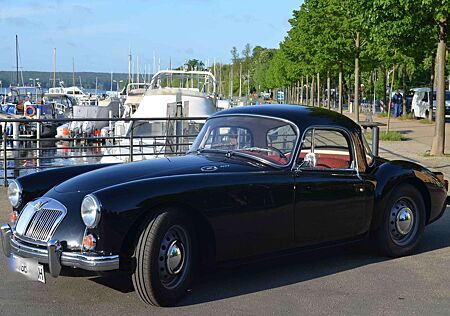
{"x": 17, "y": 60}
{"x": 73, "y": 71}
{"x": 54, "y": 67}
{"x": 73, "y": 76}
{"x": 137, "y": 69}
{"x": 129, "y": 66}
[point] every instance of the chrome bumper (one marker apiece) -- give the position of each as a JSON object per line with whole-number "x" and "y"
{"x": 55, "y": 257}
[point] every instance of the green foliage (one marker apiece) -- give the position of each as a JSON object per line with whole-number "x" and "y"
{"x": 194, "y": 64}
{"x": 426, "y": 121}
{"x": 391, "y": 136}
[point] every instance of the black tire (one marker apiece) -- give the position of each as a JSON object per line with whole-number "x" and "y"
{"x": 399, "y": 236}
{"x": 157, "y": 280}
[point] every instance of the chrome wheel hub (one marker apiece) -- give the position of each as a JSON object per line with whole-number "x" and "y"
{"x": 175, "y": 257}
{"x": 402, "y": 222}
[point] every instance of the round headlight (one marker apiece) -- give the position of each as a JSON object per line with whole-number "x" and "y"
{"x": 90, "y": 211}
{"x": 14, "y": 193}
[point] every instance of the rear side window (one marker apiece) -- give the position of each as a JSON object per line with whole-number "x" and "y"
{"x": 326, "y": 149}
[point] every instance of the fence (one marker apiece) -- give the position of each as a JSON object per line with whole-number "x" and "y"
{"x": 29, "y": 145}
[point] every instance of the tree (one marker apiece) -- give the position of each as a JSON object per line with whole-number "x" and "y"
{"x": 415, "y": 29}
{"x": 195, "y": 64}
{"x": 441, "y": 17}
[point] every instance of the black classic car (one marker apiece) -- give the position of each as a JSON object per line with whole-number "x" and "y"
{"x": 257, "y": 180}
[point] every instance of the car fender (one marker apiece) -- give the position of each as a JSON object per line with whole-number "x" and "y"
{"x": 123, "y": 218}
{"x": 391, "y": 174}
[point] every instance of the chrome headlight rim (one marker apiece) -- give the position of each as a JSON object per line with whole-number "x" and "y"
{"x": 96, "y": 211}
{"x": 19, "y": 191}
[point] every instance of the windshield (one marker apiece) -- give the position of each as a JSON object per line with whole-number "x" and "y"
{"x": 261, "y": 138}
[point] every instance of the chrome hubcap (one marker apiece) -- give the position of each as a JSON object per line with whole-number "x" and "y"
{"x": 175, "y": 257}
{"x": 402, "y": 222}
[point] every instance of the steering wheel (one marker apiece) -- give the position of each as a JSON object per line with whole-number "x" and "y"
{"x": 279, "y": 152}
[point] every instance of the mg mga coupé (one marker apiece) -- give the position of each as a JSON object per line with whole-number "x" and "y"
{"x": 257, "y": 180}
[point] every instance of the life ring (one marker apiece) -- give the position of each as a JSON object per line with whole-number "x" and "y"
{"x": 30, "y": 110}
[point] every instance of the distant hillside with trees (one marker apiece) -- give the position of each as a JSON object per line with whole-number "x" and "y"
{"x": 87, "y": 79}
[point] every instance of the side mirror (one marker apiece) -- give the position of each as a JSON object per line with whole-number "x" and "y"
{"x": 309, "y": 161}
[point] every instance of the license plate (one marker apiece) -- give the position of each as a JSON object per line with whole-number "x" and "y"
{"x": 30, "y": 268}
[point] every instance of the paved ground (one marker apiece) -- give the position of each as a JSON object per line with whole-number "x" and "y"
{"x": 347, "y": 280}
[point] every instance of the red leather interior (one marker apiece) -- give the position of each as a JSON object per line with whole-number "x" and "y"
{"x": 330, "y": 161}
{"x": 272, "y": 157}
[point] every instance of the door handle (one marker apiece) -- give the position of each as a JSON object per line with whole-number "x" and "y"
{"x": 359, "y": 187}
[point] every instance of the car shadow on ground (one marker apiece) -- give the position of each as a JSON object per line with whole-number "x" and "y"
{"x": 226, "y": 282}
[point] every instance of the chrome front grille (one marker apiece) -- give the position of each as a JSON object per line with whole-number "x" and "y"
{"x": 39, "y": 219}
{"x": 42, "y": 224}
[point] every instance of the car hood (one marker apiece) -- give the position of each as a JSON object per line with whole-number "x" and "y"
{"x": 190, "y": 164}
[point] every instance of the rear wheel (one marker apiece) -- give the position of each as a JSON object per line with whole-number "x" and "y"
{"x": 403, "y": 222}
{"x": 163, "y": 259}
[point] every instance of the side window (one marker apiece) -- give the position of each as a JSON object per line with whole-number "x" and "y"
{"x": 326, "y": 149}
{"x": 282, "y": 138}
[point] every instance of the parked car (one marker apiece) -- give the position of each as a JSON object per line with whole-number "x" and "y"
{"x": 420, "y": 106}
{"x": 257, "y": 180}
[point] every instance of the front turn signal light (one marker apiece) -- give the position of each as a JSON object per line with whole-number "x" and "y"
{"x": 13, "y": 216}
{"x": 89, "y": 242}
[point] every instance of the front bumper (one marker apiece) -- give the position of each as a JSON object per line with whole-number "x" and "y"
{"x": 54, "y": 256}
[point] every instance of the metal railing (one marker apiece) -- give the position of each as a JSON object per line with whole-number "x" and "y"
{"x": 24, "y": 149}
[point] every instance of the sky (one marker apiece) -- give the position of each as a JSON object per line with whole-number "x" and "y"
{"x": 99, "y": 34}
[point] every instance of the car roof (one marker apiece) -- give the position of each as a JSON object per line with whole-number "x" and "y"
{"x": 302, "y": 116}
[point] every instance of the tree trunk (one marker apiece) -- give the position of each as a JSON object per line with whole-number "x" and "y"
{"x": 404, "y": 89}
{"x": 439, "y": 135}
{"x": 431, "y": 97}
{"x": 390, "y": 100}
{"x": 307, "y": 90}
{"x": 318, "y": 90}
{"x": 340, "y": 87}
{"x": 357, "y": 77}
{"x": 328, "y": 90}
{"x": 301, "y": 92}
{"x": 385, "y": 83}
{"x": 312, "y": 91}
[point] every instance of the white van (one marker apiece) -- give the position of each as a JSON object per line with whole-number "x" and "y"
{"x": 420, "y": 102}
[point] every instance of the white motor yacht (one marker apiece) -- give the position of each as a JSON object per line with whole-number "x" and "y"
{"x": 171, "y": 94}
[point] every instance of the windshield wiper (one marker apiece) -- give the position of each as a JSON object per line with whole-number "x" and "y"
{"x": 199, "y": 151}
{"x": 256, "y": 149}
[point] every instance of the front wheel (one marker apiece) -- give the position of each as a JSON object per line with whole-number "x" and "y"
{"x": 403, "y": 222}
{"x": 163, "y": 259}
